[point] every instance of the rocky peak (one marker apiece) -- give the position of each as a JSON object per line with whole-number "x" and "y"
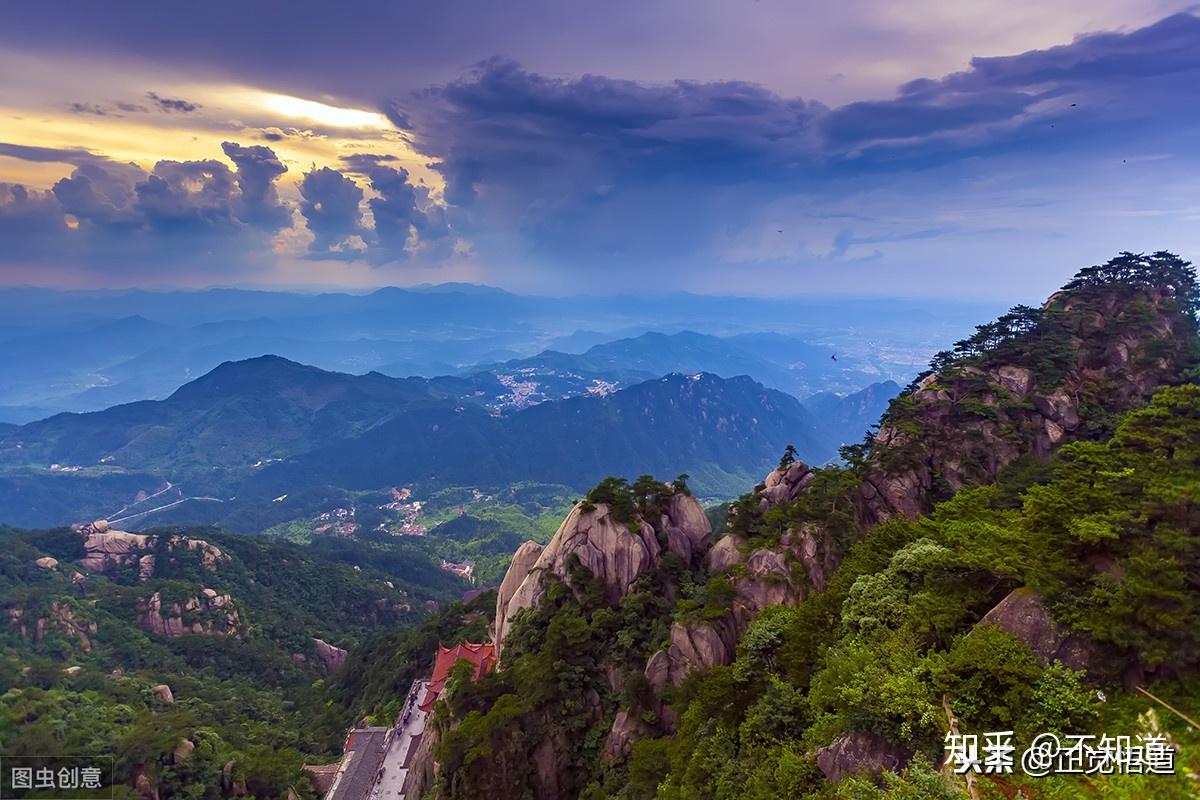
{"x": 614, "y": 551}
{"x": 1024, "y": 389}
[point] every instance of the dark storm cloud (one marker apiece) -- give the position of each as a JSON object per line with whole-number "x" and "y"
{"x": 595, "y": 168}
{"x": 500, "y": 120}
{"x": 1109, "y": 76}
{"x": 172, "y": 105}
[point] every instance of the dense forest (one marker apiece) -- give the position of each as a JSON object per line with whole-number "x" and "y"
{"x": 231, "y": 695}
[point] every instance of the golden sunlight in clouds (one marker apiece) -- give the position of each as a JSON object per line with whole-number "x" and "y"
{"x": 303, "y": 133}
{"x": 322, "y": 114}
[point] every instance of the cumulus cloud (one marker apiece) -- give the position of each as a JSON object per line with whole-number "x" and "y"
{"x": 330, "y": 206}
{"x": 102, "y": 196}
{"x": 30, "y": 221}
{"x": 257, "y": 170}
{"x": 112, "y": 216}
{"x": 406, "y": 222}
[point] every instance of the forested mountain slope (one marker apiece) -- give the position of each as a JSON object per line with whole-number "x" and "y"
{"x": 226, "y": 445}
{"x": 1017, "y": 543}
{"x": 196, "y": 659}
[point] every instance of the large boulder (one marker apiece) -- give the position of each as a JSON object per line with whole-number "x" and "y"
{"x": 332, "y": 658}
{"x": 694, "y": 646}
{"x": 105, "y": 551}
{"x": 726, "y": 553}
{"x": 861, "y": 753}
{"x": 1022, "y": 614}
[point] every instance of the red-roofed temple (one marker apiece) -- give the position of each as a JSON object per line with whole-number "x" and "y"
{"x": 483, "y": 656}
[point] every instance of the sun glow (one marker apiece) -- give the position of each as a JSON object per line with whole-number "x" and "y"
{"x": 322, "y": 114}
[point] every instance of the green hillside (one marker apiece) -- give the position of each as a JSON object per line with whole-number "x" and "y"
{"x": 81, "y": 654}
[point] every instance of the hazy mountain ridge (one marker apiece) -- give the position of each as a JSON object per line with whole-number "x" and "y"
{"x": 85, "y": 351}
{"x": 251, "y": 431}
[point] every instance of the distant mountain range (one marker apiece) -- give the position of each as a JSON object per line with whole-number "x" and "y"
{"x": 269, "y": 433}
{"x": 780, "y": 362}
{"x": 89, "y": 350}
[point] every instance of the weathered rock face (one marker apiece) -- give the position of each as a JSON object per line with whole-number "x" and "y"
{"x": 1022, "y": 614}
{"x": 46, "y": 562}
{"x": 110, "y": 551}
{"x": 694, "y": 646}
{"x": 726, "y": 553}
{"x": 523, "y": 561}
{"x": 689, "y": 534}
{"x": 626, "y": 729}
{"x": 164, "y": 694}
{"x": 61, "y": 617}
{"x": 332, "y": 658}
{"x": 207, "y": 614}
{"x": 861, "y": 754}
{"x": 613, "y": 551}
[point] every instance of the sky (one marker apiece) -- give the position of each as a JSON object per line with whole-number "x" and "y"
{"x": 981, "y": 149}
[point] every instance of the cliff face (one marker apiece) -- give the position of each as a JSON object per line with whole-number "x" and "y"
{"x": 1094, "y": 354}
